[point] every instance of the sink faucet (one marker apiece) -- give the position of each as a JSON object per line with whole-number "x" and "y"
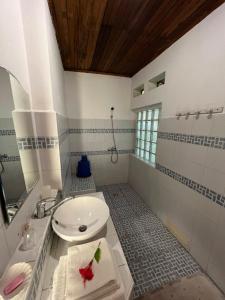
{"x": 43, "y": 212}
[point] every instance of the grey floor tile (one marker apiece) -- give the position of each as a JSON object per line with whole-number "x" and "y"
{"x": 154, "y": 255}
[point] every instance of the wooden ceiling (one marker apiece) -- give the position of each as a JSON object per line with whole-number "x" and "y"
{"x": 121, "y": 36}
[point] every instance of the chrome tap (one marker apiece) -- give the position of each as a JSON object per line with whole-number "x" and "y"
{"x": 40, "y": 207}
{"x": 41, "y": 210}
{"x": 111, "y": 149}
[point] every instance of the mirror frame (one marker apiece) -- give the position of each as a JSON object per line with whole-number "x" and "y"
{"x": 3, "y": 204}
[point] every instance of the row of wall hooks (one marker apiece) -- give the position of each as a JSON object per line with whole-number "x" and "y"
{"x": 208, "y": 112}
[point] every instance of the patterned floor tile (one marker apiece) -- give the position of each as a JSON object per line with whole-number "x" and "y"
{"x": 154, "y": 255}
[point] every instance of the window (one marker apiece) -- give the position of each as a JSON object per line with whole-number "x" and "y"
{"x": 146, "y": 134}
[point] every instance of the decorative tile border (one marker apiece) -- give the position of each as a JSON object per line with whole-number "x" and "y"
{"x": 201, "y": 140}
{"x": 101, "y": 130}
{"x": 29, "y": 143}
{"x": 201, "y": 189}
{"x": 10, "y": 158}
{"x": 37, "y": 270}
{"x": 4, "y": 132}
{"x": 101, "y": 152}
{"x": 63, "y": 136}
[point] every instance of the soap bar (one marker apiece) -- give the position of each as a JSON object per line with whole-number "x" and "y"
{"x": 17, "y": 281}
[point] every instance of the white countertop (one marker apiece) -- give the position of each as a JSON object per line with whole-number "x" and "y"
{"x": 40, "y": 227}
{"x": 59, "y": 248}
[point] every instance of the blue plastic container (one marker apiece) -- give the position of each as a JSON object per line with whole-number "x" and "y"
{"x": 83, "y": 167}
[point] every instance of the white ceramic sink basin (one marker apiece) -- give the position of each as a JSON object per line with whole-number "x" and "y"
{"x": 80, "y": 218}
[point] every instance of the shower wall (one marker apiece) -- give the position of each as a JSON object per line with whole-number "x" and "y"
{"x": 89, "y": 98}
{"x": 186, "y": 187}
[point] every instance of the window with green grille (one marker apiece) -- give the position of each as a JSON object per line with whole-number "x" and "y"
{"x": 146, "y": 134}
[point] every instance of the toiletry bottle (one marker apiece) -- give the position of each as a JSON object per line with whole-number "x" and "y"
{"x": 29, "y": 237}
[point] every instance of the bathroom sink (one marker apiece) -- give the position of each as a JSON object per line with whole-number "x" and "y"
{"x": 80, "y": 218}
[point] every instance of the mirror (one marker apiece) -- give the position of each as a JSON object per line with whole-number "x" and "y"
{"x": 18, "y": 158}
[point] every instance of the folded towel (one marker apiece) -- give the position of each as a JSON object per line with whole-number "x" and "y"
{"x": 59, "y": 280}
{"x": 117, "y": 295}
{"x": 105, "y": 278}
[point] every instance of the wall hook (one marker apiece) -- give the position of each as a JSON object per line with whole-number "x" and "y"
{"x": 187, "y": 115}
{"x": 197, "y": 115}
{"x": 178, "y": 116}
{"x": 210, "y": 114}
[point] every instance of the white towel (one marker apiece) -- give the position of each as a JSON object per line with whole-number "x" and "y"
{"x": 59, "y": 279}
{"x": 105, "y": 278}
{"x": 59, "y": 283}
{"x": 117, "y": 295}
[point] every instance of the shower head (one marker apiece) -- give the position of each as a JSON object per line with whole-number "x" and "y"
{"x": 112, "y": 109}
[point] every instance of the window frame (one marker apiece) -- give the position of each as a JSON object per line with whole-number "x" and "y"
{"x": 146, "y": 138}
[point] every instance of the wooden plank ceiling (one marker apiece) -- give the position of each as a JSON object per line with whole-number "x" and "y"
{"x": 121, "y": 36}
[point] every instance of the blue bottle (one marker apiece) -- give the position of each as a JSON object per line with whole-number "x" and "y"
{"x": 83, "y": 167}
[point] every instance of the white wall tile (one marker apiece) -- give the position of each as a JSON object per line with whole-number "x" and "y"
{"x": 202, "y": 125}
{"x": 165, "y": 152}
{"x": 202, "y": 238}
{"x": 23, "y": 123}
{"x": 123, "y": 141}
{"x": 214, "y": 180}
{"x": 217, "y": 128}
{"x": 216, "y": 266}
{"x": 105, "y": 172}
{"x": 52, "y": 178}
{"x": 183, "y": 125}
{"x": 29, "y": 160}
{"x": 50, "y": 159}
{"x": 195, "y": 217}
{"x": 189, "y": 169}
{"x": 189, "y": 152}
{"x": 46, "y": 123}
{"x": 204, "y": 206}
{"x": 215, "y": 159}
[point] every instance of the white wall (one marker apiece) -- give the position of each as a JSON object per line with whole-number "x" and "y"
{"x": 28, "y": 49}
{"x": 12, "y": 49}
{"x": 56, "y": 67}
{"x": 20, "y": 96}
{"x": 195, "y": 70}
{"x": 47, "y": 81}
{"x": 195, "y": 74}
{"x": 90, "y": 96}
{"x": 35, "y": 35}
{"x": 57, "y": 87}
